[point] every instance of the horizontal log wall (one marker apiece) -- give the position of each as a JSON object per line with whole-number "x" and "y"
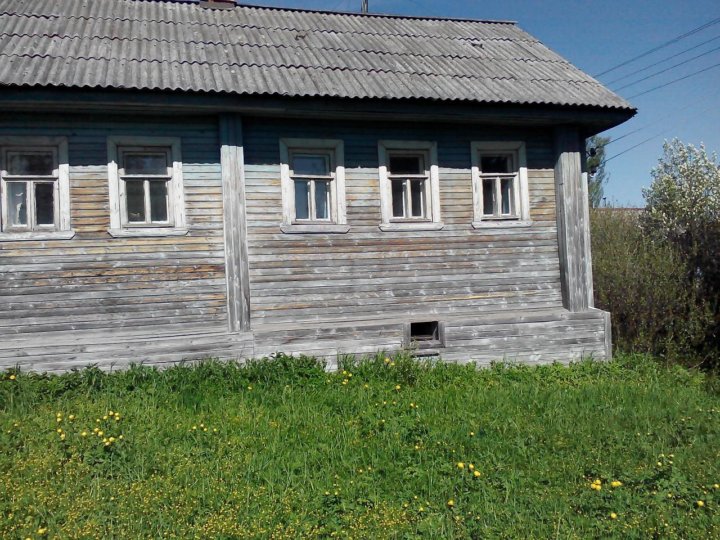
{"x": 370, "y": 274}
{"x": 113, "y": 301}
{"x": 95, "y": 282}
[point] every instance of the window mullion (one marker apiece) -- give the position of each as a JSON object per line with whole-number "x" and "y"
{"x": 146, "y": 195}
{"x": 30, "y": 202}
{"x": 311, "y": 202}
{"x": 497, "y": 204}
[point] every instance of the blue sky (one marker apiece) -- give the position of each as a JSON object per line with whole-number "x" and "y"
{"x": 596, "y": 36}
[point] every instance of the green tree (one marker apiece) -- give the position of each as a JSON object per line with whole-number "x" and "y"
{"x": 683, "y": 209}
{"x": 597, "y": 175}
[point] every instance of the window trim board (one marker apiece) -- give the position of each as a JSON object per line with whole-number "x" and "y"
{"x": 390, "y": 223}
{"x": 62, "y": 229}
{"x": 176, "y": 196}
{"x": 522, "y": 198}
{"x": 338, "y": 203}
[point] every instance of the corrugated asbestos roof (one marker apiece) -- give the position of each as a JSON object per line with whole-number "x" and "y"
{"x": 165, "y": 45}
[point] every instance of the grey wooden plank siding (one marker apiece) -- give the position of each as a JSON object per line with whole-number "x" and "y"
{"x": 113, "y": 301}
{"x": 95, "y": 282}
{"x": 368, "y": 273}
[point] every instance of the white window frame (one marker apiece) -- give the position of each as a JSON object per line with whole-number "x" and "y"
{"x": 61, "y": 229}
{"x": 428, "y": 149}
{"x": 520, "y": 184}
{"x": 119, "y": 226}
{"x": 334, "y": 150}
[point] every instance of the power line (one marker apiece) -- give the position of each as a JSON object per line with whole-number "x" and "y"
{"x": 637, "y": 72}
{"x": 688, "y": 60}
{"x": 662, "y": 46}
{"x": 661, "y": 133}
{"x": 674, "y": 81}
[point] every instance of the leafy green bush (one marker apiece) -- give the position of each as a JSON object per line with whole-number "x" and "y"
{"x": 656, "y": 307}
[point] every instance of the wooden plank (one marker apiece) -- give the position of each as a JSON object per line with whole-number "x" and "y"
{"x": 236, "y": 251}
{"x": 573, "y": 222}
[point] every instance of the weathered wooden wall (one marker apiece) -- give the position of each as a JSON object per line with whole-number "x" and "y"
{"x": 55, "y": 291}
{"x": 370, "y": 274}
{"x": 98, "y": 299}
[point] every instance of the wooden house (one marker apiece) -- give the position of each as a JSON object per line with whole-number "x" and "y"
{"x": 184, "y": 180}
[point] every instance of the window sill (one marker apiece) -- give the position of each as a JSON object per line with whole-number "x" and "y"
{"x": 150, "y": 231}
{"x": 411, "y": 226}
{"x": 500, "y": 224}
{"x": 318, "y": 228}
{"x": 36, "y": 235}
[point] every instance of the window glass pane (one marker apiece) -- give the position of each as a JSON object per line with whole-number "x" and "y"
{"x": 322, "y": 200}
{"x": 135, "y": 198}
{"x": 158, "y": 201}
{"x": 417, "y": 195}
{"x": 506, "y": 195}
{"x": 495, "y": 164}
{"x": 145, "y": 163}
{"x": 310, "y": 165}
{"x": 17, "y": 203}
{"x": 302, "y": 198}
{"x": 488, "y": 197}
{"x": 45, "y": 204}
{"x": 406, "y": 165}
{"x": 30, "y": 163}
{"x": 398, "y": 198}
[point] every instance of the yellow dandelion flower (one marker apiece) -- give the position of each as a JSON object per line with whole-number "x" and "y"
{"x": 471, "y": 467}
{"x": 12, "y": 377}
{"x": 100, "y": 433}
{"x": 111, "y": 439}
{"x": 613, "y": 515}
{"x": 83, "y": 434}
{"x": 397, "y": 387}
{"x": 700, "y": 504}
{"x": 716, "y": 486}
{"x": 59, "y": 430}
{"x": 616, "y": 483}
{"x": 387, "y": 360}
{"x": 121, "y": 437}
{"x": 460, "y": 465}
{"x": 62, "y": 436}
{"x": 476, "y": 474}
{"x": 472, "y": 433}
{"x": 71, "y": 417}
{"x": 111, "y": 413}
{"x": 451, "y": 503}
{"x": 105, "y": 417}
{"x": 392, "y": 364}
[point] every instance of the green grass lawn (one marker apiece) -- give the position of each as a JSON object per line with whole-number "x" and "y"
{"x": 384, "y": 449}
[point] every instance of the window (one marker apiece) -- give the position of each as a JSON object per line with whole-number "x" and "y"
{"x": 313, "y": 186}
{"x": 146, "y": 191}
{"x": 499, "y": 184}
{"x": 409, "y": 186}
{"x": 34, "y": 188}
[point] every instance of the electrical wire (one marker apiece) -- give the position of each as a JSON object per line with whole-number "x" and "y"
{"x": 662, "y": 46}
{"x": 693, "y": 74}
{"x": 638, "y": 71}
{"x": 684, "y": 62}
{"x": 663, "y": 132}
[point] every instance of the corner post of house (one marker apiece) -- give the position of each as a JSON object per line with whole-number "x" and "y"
{"x": 232, "y": 163}
{"x": 573, "y": 219}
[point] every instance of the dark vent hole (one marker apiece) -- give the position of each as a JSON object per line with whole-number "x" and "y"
{"x": 424, "y": 332}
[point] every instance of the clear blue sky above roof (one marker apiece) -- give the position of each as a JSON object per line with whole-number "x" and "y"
{"x": 596, "y": 36}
